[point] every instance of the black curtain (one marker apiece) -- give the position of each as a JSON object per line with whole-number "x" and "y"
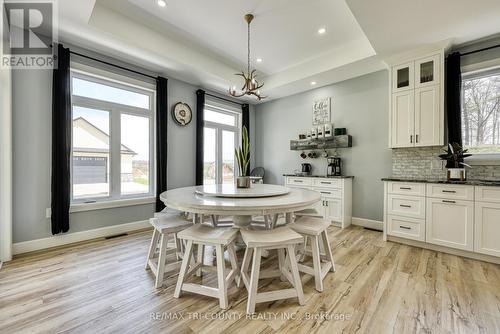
{"x": 61, "y": 142}
{"x": 161, "y": 139}
{"x": 246, "y": 123}
{"x": 453, "y": 98}
{"x": 200, "y": 105}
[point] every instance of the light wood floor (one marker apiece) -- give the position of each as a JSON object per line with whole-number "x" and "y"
{"x": 101, "y": 286}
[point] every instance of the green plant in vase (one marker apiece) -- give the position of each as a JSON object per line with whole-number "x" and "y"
{"x": 455, "y": 156}
{"x": 243, "y": 159}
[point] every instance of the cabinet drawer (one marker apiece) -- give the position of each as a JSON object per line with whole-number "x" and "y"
{"x": 329, "y": 193}
{"x": 406, "y": 188}
{"x": 406, "y": 206}
{"x": 298, "y": 181}
{"x": 327, "y": 183}
{"x": 408, "y": 228}
{"x": 488, "y": 194}
{"x": 448, "y": 191}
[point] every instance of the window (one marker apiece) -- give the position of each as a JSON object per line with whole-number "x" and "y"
{"x": 112, "y": 139}
{"x": 481, "y": 112}
{"x": 221, "y": 135}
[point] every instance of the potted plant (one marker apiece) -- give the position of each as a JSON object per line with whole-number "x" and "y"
{"x": 455, "y": 157}
{"x": 243, "y": 158}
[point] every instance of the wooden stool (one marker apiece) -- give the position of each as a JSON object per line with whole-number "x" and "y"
{"x": 281, "y": 239}
{"x": 164, "y": 226}
{"x": 314, "y": 229}
{"x": 220, "y": 238}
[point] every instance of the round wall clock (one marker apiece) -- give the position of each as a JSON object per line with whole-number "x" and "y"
{"x": 182, "y": 114}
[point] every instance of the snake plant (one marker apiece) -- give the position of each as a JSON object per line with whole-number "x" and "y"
{"x": 243, "y": 153}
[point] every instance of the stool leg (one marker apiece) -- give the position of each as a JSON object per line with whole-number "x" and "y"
{"x": 200, "y": 257}
{"x": 177, "y": 247}
{"x": 152, "y": 247}
{"x": 184, "y": 269}
{"x": 295, "y": 273}
{"x": 221, "y": 276}
{"x": 281, "y": 263}
{"x": 254, "y": 281}
{"x": 246, "y": 262}
{"x": 328, "y": 249}
{"x": 234, "y": 263}
{"x": 316, "y": 263}
{"x": 161, "y": 260}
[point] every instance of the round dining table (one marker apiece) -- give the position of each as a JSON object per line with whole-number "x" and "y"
{"x": 217, "y": 200}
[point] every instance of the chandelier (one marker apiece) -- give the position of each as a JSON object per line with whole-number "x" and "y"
{"x": 251, "y": 86}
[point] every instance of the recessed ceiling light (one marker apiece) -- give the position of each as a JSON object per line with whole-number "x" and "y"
{"x": 161, "y": 3}
{"x": 313, "y": 83}
{"x": 322, "y": 30}
{"x": 259, "y": 60}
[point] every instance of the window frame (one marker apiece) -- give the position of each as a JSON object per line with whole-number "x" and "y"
{"x": 115, "y": 111}
{"x": 220, "y": 127}
{"x": 477, "y": 72}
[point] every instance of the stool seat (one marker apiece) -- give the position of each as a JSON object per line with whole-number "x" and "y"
{"x": 169, "y": 223}
{"x": 309, "y": 225}
{"x": 200, "y": 233}
{"x": 269, "y": 238}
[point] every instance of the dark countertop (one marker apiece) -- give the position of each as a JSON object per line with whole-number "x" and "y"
{"x": 493, "y": 183}
{"x": 321, "y": 176}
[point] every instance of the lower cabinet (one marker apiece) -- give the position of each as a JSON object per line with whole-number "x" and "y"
{"x": 333, "y": 209}
{"x": 450, "y": 223}
{"x": 405, "y": 227}
{"x": 487, "y": 228}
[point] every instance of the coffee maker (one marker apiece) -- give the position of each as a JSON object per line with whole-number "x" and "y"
{"x": 334, "y": 166}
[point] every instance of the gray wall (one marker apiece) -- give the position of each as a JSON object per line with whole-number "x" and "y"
{"x": 361, "y": 106}
{"x": 32, "y": 158}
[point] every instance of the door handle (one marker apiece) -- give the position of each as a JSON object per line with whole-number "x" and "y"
{"x": 416, "y": 138}
{"x": 411, "y": 139}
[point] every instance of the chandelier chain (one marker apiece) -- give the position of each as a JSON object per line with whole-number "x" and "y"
{"x": 248, "y": 44}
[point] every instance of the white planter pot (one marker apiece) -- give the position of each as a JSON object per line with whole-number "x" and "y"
{"x": 456, "y": 174}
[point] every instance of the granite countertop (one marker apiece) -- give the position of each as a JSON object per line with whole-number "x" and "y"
{"x": 322, "y": 176}
{"x": 494, "y": 183}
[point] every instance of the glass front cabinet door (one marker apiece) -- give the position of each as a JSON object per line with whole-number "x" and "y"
{"x": 427, "y": 71}
{"x": 403, "y": 77}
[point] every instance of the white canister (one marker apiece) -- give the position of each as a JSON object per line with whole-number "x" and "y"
{"x": 328, "y": 132}
{"x": 314, "y": 133}
{"x": 321, "y": 131}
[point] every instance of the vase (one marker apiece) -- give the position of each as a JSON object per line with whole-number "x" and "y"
{"x": 456, "y": 174}
{"x": 243, "y": 182}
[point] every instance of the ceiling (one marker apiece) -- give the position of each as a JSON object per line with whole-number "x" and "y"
{"x": 204, "y": 42}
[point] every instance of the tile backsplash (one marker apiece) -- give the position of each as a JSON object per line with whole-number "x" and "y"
{"x": 423, "y": 163}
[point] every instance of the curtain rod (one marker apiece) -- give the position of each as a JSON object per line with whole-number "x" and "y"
{"x": 224, "y": 99}
{"x": 480, "y": 50}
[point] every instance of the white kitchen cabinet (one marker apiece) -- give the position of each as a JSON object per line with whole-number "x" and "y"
{"x": 403, "y": 119}
{"x": 403, "y": 77}
{"x": 450, "y": 223}
{"x": 427, "y": 71}
{"x": 336, "y": 197}
{"x": 487, "y": 228}
{"x": 427, "y": 119}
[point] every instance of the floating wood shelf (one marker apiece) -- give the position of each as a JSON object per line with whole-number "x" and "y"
{"x": 321, "y": 144}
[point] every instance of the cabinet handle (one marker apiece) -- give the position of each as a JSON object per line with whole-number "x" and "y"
{"x": 449, "y": 191}
{"x": 416, "y": 138}
{"x": 445, "y": 201}
{"x": 411, "y": 139}
{"x": 326, "y": 192}
{"x": 405, "y": 188}
{"x": 405, "y": 206}
{"x": 326, "y": 203}
{"x": 323, "y": 182}
{"x": 405, "y": 227}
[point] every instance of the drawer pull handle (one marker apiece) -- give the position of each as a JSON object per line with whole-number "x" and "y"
{"x": 323, "y": 182}
{"x": 297, "y": 181}
{"x": 326, "y": 192}
{"x": 405, "y": 188}
{"x": 405, "y": 227}
{"x": 445, "y": 201}
{"x": 450, "y": 191}
{"x": 405, "y": 206}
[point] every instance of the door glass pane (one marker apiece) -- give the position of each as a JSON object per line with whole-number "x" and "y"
{"x": 99, "y": 91}
{"x": 228, "y": 166}
{"x": 427, "y": 72}
{"x": 209, "y": 157}
{"x": 218, "y": 117}
{"x": 403, "y": 77}
{"x": 90, "y": 174}
{"x": 134, "y": 151}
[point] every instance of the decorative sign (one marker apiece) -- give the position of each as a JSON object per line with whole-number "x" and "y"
{"x": 321, "y": 111}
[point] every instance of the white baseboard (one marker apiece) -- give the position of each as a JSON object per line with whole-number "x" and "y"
{"x": 65, "y": 239}
{"x": 374, "y": 224}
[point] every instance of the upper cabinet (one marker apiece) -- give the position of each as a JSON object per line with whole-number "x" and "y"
{"x": 417, "y": 103}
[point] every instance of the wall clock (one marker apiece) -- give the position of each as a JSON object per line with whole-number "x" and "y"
{"x": 182, "y": 114}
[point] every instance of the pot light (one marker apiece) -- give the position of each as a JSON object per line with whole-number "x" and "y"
{"x": 259, "y": 60}
{"x": 322, "y": 30}
{"x": 313, "y": 83}
{"x": 161, "y": 3}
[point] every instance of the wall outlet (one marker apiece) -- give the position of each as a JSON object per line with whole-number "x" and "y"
{"x": 48, "y": 212}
